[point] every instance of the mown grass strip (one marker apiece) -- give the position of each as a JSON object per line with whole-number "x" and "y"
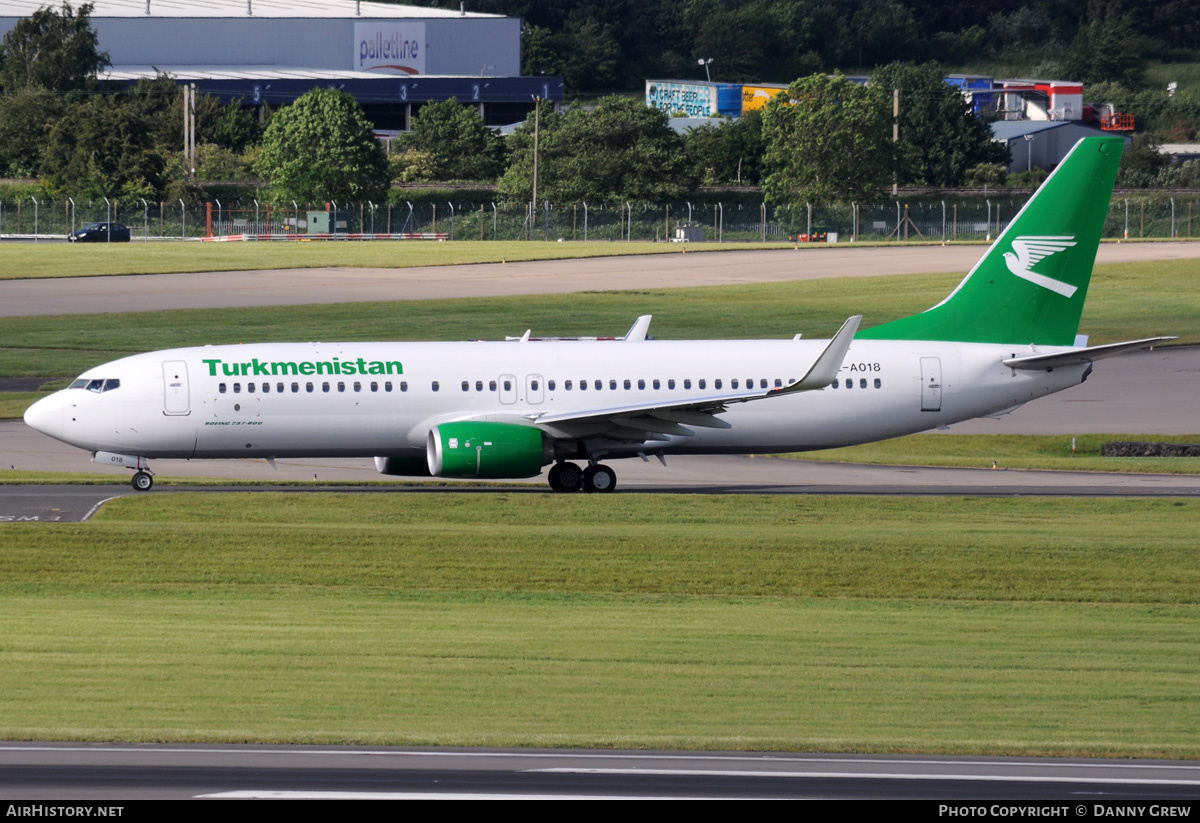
{"x": 20, "y": 261}
{"x": 1012, "y": 451}
{"x": 998, "y": 626}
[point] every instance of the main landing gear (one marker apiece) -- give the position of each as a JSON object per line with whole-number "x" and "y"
{"x": 142, "y": 481}
{"x": 567, "y": 477}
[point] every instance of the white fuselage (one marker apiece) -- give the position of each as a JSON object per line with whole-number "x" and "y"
{"x": 312, "y": 399}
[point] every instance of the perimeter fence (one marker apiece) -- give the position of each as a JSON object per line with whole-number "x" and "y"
{"x": 949, "y": 220}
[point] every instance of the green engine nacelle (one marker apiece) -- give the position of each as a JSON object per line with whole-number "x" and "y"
{"x": 474, "y": 449}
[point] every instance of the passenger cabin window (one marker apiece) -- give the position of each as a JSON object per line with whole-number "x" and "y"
{"x": 279, "y": 388}
{"x": 250, "y": 388}
{"x": 687, "y": 383}
{"x": 221, "y": 388}
{"x": 478, "y": 385}
{"x": 507, "y": 385}
{"x": 862, "y": 383}
{"x": 308, "y": 387}
{"x": 341, "y": 386}
{"x": 670, "y": 383}
{"x": 491, "y": 385}
{"x": 237, "y": 388}
{"x": 466, "y": 385}
{"x": 627, "y": 384}
{"x": 701, "y": 383}
{"x": 834, "y": 383}
{"x": 387, "y": 386}
{"x": 567, "y": 385}
{"x": 295, "y": 388}
{"x": 583, "y": 385}
{"x": 612, "y": 384}
{"x": 598, "y": 385}
{"x": 325, "y": 387}
{"x": 435, "y": 386}
{"x": 878, "y": 383}
{"x": 533, "y": 385}
{"x": 358, "y": 386}
{"x": 403, "y": 385}
{"x": 374, "y": 385}
{"x": 778, "y": 383}
{"x": 266, "y": 388}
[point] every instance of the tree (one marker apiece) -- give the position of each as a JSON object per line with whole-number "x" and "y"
{"x": 828, "y": 139}
{"x": 118, "y": 145}
{"x": 620, "y": 150}
{"x": 52, "y": 50}
{"x": 27, "y": 117}
{"x": 729, "y": 153}
{"x": 1107, "y": 46}
{"x": 322, "y": 147}
{"x": 456, "y": 142}
{"x": 104, "y": 147}
{"x": 941, "y": 138}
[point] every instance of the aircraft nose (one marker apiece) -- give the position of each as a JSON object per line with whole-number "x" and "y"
{"x": 46, "y": 415}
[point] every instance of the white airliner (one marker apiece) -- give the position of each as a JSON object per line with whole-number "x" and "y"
{"x": 1005, "y": 336}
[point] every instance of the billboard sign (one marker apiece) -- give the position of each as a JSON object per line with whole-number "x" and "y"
{"x": 696, "y": 99}
{"x": 757, "y": 97}
{"x": 389, "y": 47}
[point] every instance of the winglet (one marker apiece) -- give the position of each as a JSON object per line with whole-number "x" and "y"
{"x": 638, "y": 331}
{"x": 827, "y": 366}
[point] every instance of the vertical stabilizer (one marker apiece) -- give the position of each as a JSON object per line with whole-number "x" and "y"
{"x": 1031, "y": 284}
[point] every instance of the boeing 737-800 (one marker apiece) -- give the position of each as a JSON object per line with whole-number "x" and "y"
{"x": 1006, "y": 335}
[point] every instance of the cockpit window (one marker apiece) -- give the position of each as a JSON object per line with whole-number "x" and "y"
{"x": 98, "y": 385}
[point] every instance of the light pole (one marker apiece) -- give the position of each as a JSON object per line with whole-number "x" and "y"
{"x": 706, "y": 62}
{"x": 537, "y": 117}
{"x": 1028, "y": 152}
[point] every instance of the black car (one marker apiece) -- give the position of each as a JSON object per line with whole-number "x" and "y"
{"x": 100, "y": 233}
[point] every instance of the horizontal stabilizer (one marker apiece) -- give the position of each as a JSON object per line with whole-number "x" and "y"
{"x": 1076, "y": 357}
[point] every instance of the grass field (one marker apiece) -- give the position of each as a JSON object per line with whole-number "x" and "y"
{"x": 1126, "y": 301}
{"x": 1052, "y": 452}
{"x": 998, "y": 626}
{"x": 27, "y": 260}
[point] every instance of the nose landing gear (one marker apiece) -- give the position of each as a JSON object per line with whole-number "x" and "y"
{"x": 143, "y": 478}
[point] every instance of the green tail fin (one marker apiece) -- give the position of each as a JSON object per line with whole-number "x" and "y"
{"x": 1031, "y": 284}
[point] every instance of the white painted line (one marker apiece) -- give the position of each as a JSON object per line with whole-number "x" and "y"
{"x": 985, "y": 778}
{"x": 255, "y": 794}
{"x": 93, "y": 509}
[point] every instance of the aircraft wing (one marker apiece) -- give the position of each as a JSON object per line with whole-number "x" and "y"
{"x": 1076, "y": 357}
{"x": 652, "y": 420}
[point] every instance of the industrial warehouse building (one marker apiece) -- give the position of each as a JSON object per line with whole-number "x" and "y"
{"x": 391, "y": 58}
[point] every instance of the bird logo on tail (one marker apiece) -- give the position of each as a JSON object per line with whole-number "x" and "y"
{"x": 1029, "y": 251}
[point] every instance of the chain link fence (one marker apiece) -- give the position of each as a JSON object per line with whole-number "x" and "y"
{"x": 976, "y": 219}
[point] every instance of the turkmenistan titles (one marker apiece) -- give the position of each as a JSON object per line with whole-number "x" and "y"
{"x": 270, "y": 368}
